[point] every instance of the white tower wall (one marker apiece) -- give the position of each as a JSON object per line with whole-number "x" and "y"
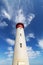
{"x": 20, "y": 50}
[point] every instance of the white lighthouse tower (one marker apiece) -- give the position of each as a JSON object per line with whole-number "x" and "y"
{"x": 20, "y": 51}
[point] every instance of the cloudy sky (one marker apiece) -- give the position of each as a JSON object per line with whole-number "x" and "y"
{"x": 30, "y": 13}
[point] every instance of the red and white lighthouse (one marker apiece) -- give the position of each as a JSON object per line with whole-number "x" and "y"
{"x": 20, "y": 50}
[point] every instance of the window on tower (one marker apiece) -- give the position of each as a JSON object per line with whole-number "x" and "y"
{"x": 21, "y": 45}
{"x": 20, "y": 34}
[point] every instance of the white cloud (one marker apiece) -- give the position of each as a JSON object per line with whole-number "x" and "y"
{"x": 10, "y": 52}
{"x": 27, "y": 38}
{"x": 32, "y": 53}
{"x": 10, "y": 41}
{"x": 10, "y": 48}
{"x": 6, "y": 61}
{"x": 1, "y": 61}
{"x": 3, "y": 24}
{"x": 30, "y": 35}
{"x": 10, "y": 5}
{"x": 31, "y": 16}
{"x": 10, "y": 55}
{"x": 40, "y": 43}
{"x": 20, "y": 18}
{"x": 5, "y": 14}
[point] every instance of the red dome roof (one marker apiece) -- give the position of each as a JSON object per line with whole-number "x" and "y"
{"x": 20, "y": 25}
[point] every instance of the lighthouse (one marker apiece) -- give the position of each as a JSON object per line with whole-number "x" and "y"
{"x": 20, "y": 51}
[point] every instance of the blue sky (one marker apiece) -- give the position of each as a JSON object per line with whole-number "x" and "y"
{"x": 30, "y": 12}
